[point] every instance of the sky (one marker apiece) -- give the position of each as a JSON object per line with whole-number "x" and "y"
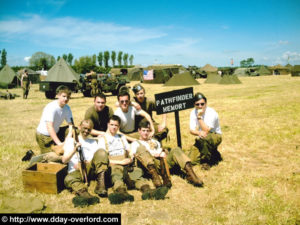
{"x": 190, "y": 32}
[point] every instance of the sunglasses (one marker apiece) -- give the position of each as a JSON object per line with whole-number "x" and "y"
{"x": 202, "y": 104}
{"x": 124, "y": 101}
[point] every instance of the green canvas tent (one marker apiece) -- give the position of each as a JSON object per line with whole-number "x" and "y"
{"x": 182, "y": 79}
{"x": 62, "y": 72}
{"x": 263, "y": 71}
{"x": 212, "y": 78}
{"x": 209, "y": 68}
{"x": 33, "y": 75}
{"x": 8, "y": 77}
{"x": 241, "y": 72}
{"x": 135, "y": 74}
{"x": 279, "y": 70}
{"x": 295, "y": 71}
{"x": 230, "y": 79}
{"x": 160, "y": 76}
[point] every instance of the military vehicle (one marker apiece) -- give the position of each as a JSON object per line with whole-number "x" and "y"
{"x": 106, "y": 83}
{"x": 60, "y": 74}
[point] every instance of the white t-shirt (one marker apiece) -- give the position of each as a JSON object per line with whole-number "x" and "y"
{"x": 127, "y": 119}
{"x": 155, "y": 147}
{"x": 54, "y": 113}
{"x": 89, "y": 147}
{"x": 210, "y": 118}
{"x": 117, "y": 145}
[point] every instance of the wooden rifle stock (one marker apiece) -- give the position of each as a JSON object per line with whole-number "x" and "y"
{"x": 82, "y": 167}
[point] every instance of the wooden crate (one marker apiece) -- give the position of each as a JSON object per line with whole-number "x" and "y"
{"x": 45, "y": 177}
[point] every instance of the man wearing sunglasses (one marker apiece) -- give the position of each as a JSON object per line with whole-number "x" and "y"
{"x": 148, "y": 105}
{"x": 127, "y": 114}
{"x": 204, "y": 124}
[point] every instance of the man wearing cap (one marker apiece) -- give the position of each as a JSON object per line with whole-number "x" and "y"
{"x": 99, "y": 113}
{"x": 161, "y": 130}
{"x": 204, "y": 124}
{"x": 25, "y": 83}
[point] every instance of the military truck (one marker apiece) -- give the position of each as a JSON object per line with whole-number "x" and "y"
{"x": 106, "y": 83}
{"x": 60, "y": 74}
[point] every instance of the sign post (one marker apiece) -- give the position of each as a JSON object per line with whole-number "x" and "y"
{"x": 175, "y": 101}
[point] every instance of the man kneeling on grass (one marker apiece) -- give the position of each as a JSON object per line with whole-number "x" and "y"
{"x": 163, "y": 159}
{"x": 120, "y": 162}
{"x": 96, "y": 163}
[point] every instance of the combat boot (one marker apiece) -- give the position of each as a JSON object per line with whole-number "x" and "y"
{"x": 100, "y": 188}
{"x": 155, "y": 177}
{"x": 120, "y": 196}
{"x": 164, "y": 173}
{"x": 84, "y": 198}
{"x": 191, "y": 176}
{"x": 157, "y": 194}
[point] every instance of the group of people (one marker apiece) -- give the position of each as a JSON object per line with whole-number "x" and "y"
{"x": 122, "y": 148}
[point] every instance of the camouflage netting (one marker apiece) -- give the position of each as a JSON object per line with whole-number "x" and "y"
{"x": 230, "y": 79}
{"x": 295, "y": 71}
{"x": 263, "y": 71}
{"x": 212, "y": 78}
{"x": 8, "y": 78}
{"x": 62, "y": 72}
{"x": 182, "y": 79}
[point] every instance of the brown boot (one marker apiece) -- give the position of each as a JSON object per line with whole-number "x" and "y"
{"x": 84, "y": 198}
{"x": 191, "y": 176}
{"x": 155, "y": 177}
{"x": 166, "y": 179}
{"x": 84, "y": 193}
{"x": 120, "y": 196}
{"x": 100, "y": 187}
{"x": 157, "y": 194}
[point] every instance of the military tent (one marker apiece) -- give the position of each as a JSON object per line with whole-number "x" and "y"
{"x": 135, "y": 74}
{"x": 241, "y": 72}
{"x": 160, "y": 76}
{"x": 8, "y": 77}
{"x": 209, "y": 68}
{"x": 182, "y": 79}
{"x": 263, "y": 71}
{"x": 295, "y": 71}
{"x": 62, "y": 72}
{"x": 230, "y": 79}
{"x": 213, "y": 78}
{"x": 279, "y": 70}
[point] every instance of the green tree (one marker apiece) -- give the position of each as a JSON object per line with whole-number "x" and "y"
{"x": 65, "y": 57}
{"x": 113, "y": 58}
{"x": 131, "y": 59}
{"x": 3, "y": 57}
{"x": 58, "y": 58}
{"x": 70, "y": 59}
{"x": 247, "y": 62}
{"x": 125, "y": 59}
{"x": 94, "y": 58}
{"x": 41, "y": 60}
{"x": 106, "y": 58}
{"x": 85, "y": 64}
{"x": 100, "y": 58}
{"x": 250, "y": 61}
{"x": 120, "y": 58}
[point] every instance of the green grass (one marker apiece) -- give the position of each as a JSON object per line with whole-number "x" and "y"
{"x": 258, "y": 182}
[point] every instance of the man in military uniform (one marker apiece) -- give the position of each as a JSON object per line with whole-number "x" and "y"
{"x": 25, "y": 84}
{"x": 148, "y": 105}
{"x": 163, "y": 159}
{"x": 99, "y": 113}
{"x": 94, "y": 82}
{"x": 204, "y": 124}
{"x": 120, "y": 160}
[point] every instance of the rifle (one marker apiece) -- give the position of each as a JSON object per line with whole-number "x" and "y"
{"x": 82, "y": 167}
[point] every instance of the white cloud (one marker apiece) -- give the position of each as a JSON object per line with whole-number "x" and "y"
{"x": 27, "y": 58}
{"x": 283, "y": 42}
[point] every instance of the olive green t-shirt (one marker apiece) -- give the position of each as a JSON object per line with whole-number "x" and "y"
{"x": 100, "y": 119}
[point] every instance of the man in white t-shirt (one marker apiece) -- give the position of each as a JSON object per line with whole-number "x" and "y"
{"x": 96, "y": 161}
{"x": 49, "y": 133}
{"x": 127, "y": 114}
{"x": 174, "y": 157}
{"x": 120, "y": 160}
{"x": 204, "y": 124}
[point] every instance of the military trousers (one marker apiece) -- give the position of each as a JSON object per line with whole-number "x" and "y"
{"x": 205, "y": 149}
{"x": 98, "y": 164}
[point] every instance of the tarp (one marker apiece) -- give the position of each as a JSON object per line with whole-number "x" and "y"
{"x": 209, "y": 68}
{"x": 295, "y": 71}
{"x": 62, "y": 72}
{"x": 182, "y": 79}
{"x": 230, "y": 79}
{"x": 8, "y": 77}
{"x": 213, "y": 78}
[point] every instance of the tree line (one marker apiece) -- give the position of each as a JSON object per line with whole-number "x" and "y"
{"x": 100, "y": 63}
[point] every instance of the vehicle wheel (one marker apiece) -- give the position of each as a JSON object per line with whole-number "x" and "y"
{"x": 50, "y": 94}
{"x": 86, "y": 93}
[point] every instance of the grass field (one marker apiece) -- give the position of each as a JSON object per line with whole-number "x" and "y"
{"x": 258, "y": 182}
